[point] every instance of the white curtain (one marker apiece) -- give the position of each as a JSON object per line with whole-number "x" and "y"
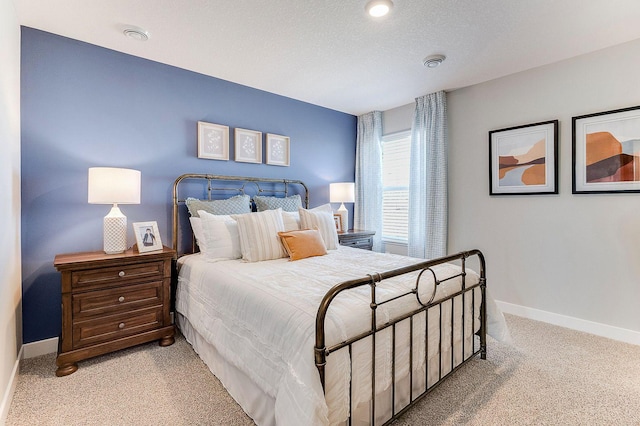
{"x": 368, "y": 188}
{"x": 428, "y": 178}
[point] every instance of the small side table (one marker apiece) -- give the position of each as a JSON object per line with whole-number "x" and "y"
{"x": 111, "y": 302}
{"x": 357, "y": 238}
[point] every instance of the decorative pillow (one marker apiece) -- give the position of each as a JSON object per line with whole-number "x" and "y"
{"x": 221, "y": 235}
{"x": 303, "y": 243}
{"x": 291, "y": 221}
{"x": 287, "y": 204}
{"x": 235, "y": 205}
{"x": 198, "y": 232}
{"x": 321, "y": 218}
{"x": 259, "y": 238}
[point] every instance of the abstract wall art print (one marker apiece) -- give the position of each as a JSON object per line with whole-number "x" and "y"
{"x": 606, "y": 152}
{"x": 523, "y": 160}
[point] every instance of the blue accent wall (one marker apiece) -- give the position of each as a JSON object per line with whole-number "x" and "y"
{"x": 85, "y": 106}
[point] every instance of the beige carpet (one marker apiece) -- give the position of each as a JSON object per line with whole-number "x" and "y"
{"x": 550, "y": 376}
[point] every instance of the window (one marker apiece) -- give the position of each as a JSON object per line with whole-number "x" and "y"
{"x": 396, "y": 152}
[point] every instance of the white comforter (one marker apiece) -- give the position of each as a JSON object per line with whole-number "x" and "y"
{"x": 261, "y": 318}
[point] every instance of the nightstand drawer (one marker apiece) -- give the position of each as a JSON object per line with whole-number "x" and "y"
{"x": 365, "y": 243}
{"x": 104, "y": 329}
{"x": 99, "y": 277}
{"x": 120, "y": 299}
{"x": 357, "y": 239}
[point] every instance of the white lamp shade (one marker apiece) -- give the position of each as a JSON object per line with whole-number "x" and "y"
{"x": 110, "y": 185}
{"x": 343, "y": 192}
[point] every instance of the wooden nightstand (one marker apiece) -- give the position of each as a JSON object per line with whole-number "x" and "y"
{"x": 357, "y": 238}
{"x": 111, "y": 302}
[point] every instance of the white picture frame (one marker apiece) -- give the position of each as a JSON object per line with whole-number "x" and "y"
{"x": 278, "y": 150}
{"x": 213, "y": 141}
{"x": 248, "y": 146}
{"x": 147, "y": 236}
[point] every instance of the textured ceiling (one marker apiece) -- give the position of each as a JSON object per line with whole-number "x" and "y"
{"x": 330, "y": 53}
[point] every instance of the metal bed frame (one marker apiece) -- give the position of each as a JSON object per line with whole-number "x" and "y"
{"x": 281, "y": 186}
{"x": 233, "y": 184}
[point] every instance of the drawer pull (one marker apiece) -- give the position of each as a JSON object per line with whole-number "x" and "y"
{"x": 121, "y": 299}
{"x": 121, "y": 325}
{"x": 121, "y": 274}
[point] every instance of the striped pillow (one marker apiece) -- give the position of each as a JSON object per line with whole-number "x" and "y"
{"x": 321, "y": 218}
{"x": 259, "y": 238}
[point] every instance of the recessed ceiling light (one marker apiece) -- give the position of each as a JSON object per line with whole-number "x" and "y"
{"x": 378, "y": 8}
{"x": 433, "y": 61}
{"x": 137, "y": 33}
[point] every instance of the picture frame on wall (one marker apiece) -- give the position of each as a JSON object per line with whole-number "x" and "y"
{"x": 523, "y": 160}
{"x": 278, "y": 150}
{"x": 606, "y": 152}
{"x": 213, "y": 141}
{"x": 147, "y": 236}
{"x": 248, "y": 146}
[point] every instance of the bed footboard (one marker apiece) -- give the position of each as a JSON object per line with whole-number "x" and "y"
{"x": 467, "y": 291}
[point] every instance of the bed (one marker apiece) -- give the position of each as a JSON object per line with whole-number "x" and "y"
{"x": 347, "y": 337}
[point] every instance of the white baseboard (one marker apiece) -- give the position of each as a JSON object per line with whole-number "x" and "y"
{"x": 41, "y": 347}
{"x": 10, "y": 390}
{"x": 599, "y": 329}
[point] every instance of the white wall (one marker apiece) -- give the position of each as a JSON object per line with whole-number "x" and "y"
{"x": 397, "y": 119}
{"x": 573, "y": 255}
{"x": 10, "y": 290}
{"x": 572, "y": 260}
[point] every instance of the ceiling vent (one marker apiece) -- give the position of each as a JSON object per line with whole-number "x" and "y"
{"x": 433, "y": 61}
{"x": 136, "y": 33}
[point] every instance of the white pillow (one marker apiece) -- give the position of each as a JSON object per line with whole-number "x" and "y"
{"x": 198, "y": 232}
{"x": 322, "y": 218}
{"x": 259, "y": 238}
{"x": 221, "y": 235}
{"x": 291, "y": 221}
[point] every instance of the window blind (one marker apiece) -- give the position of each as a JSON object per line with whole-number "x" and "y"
{"x": 396, "y": 151}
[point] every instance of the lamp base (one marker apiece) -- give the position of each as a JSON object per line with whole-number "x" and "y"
{"x": 115, "y": 231}
{"x": 345, "y": 217}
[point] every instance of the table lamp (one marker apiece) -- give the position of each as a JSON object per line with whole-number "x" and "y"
{"x": 109, "y": 185}
{"x": 342, "y": 192}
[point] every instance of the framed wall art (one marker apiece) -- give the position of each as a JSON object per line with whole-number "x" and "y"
{"x": 147, "y": 236}
{"x": 278, "y": 150}
{"x": 606, "y": 152}
{"x": 213, "y": 141}
{"x": 248, "y": 145}
{"x": 523, "y": 160}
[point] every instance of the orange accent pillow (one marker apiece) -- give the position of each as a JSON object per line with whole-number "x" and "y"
{"x": 304, "y": 243}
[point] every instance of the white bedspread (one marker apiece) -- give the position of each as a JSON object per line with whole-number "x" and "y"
{"x": 261, "y": 319}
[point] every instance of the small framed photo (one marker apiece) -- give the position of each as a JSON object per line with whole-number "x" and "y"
{"x": 606, "y": 152}
{"x": 248, "y": 144}
{"x": 523, "y": 160}
{"x": 337, "y": 219}
{"x": 147, "y": 236}
{"x": 213, "y": 141}
{"x": 278, "y": 150}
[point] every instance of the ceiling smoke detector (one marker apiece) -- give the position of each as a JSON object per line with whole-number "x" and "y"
{"x": 433, "y": 61}
{"x": 378, "y": 8}
{"x": 136, "y": 33}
